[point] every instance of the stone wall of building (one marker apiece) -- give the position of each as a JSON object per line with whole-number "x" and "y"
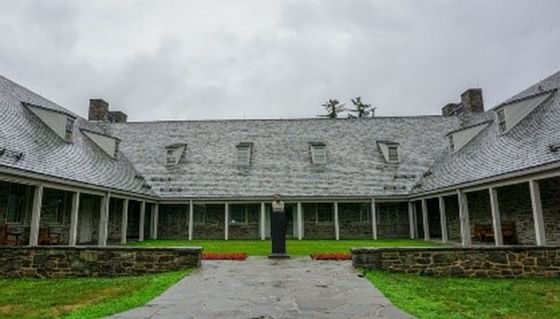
{"x": 66, "y": 261}
{"x": 209, "y": 221}
{"x": 314, "y": 229}
{"x": 452, "y": 216}
{"x": 355, "y": 220}
{"x": 173, "y": 222}
{"x": 114, "y": 227}
{"x": 500, "y": 262}
{"x": 392, "y": 220}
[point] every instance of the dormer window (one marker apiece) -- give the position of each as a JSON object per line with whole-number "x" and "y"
{"x": 69, "y": 129}
{"x": 318, "y": 153}
{"x": 451, "y": 144}
{"x": 393, "y": 153}
{"x": 174, "y": 153}
{"x": 390, "y": 151}
{"x": 243, "y": 156}
{"x": 501, "y": 120}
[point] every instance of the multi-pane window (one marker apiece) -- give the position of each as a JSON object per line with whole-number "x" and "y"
{"x": 55, "y": 204}
{"x": 244, "y": 213}
{"x": 501, "y": 119}
{"x": 243, "y": 156}
{"x": 13, "y": 199}
{"x": 170, "y": 158}
{"x": 393, "y": 153}
{"x": 318, "y": 153}
{"x": 451, "y": 144}
{"x": 69, "y": 129}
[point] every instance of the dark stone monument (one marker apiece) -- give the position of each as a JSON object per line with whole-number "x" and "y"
{"x": 278, "y": 229}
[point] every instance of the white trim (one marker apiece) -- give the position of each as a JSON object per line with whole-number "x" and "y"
{"x": 538, "y": 218}
{"x": 336, "y": 225}
{"x": 191, "y": 219}
{"x": 262, "y": 221}
{"x": 425, "y": 220}
{"x": 464, "y": 219}
{"x": 443, "y": 219}
{"x": 142, "y": 221}
{"x": 226, "y": 216}
{"x": 103, "y": 220}
{"x": 411, "y": 224}
{"x": 155, "y": 219}
{"x": 299, "y": 220}
{"x": 36, "y": 216}
{"x": 496, "y": 216}
{"x": 124, "y": 221}
{"x": 74, "y": 219}
{"x": 373, "y": 219}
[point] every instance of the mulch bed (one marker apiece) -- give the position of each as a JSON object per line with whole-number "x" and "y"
{"x": 331, "y": 256}
{"x": 224, "y": 256}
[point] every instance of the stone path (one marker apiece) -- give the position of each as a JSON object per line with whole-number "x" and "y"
{"x": 266, "y": 289}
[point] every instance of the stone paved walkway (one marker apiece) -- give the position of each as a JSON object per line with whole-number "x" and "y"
{"x": 266, "y": 289}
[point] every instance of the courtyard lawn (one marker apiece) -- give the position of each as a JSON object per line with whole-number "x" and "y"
{"x": 294, "y": 247}
{"x": 80, "y": 297}
{"x": 458, "y": 298}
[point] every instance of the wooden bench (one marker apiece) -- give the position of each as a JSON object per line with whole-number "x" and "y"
{"x": 485, "y": 233}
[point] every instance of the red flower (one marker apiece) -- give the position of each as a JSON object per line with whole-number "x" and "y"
{"x": 224, "y": 256}
{"x": 331, "y": 256}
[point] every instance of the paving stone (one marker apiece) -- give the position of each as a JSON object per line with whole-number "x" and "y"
{"x": 264, "y": 289}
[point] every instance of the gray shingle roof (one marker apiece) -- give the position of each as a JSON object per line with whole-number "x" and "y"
{"x": 46, "y": 153}
{"x": 280, "y": 157}
{"x": 490, "y": 154}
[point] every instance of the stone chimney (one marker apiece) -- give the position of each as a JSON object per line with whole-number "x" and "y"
{"x": 471, "y": 102}
{"x": 99, "y": 111}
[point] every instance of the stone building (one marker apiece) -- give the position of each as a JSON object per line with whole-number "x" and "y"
{"x": 469, "y": 175}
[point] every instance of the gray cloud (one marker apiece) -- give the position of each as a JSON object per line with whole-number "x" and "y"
{"x": 255, "y": 59}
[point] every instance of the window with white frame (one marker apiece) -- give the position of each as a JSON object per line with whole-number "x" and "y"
{"x": 170, "y": 158}
{"x": 318, "y": 153}
{"x": 69, "y": 131}
{"x": 393, "y": 153}
{"x": 243, "y": 156}
{"x": 173, "y": 153}
{"x": 501, "y": 120}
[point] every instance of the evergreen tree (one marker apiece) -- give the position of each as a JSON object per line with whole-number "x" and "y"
{"x": 361, "y": 109}
{"x": 333, "y": 107}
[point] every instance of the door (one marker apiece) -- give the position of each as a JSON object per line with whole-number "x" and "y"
{"x": 86, "y": 227}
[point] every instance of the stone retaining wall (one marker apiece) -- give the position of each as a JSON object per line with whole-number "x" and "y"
{"x": 507, "y": 262}
{"x": 64, "y": 261}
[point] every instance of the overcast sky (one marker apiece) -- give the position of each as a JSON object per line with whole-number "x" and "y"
{"x": 270, "y": 59}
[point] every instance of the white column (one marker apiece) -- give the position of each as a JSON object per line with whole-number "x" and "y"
{"x": 103, "y": 220}
{"x": 226, "y": 216}
{"x": 425, "y": 221}
{"x": 464, "y": 219}
{"x": 72, "y": 238}
{"x": 373, "y": 219}
{"x": 36, "y": 216}
{"x": 412, "y": 225}
{"x": 263, "y": 221}
{"x": 300, "y": 220}
{"x": 191, "y": 219}
{"x": 538, "y": 218}
{"x": 124, "y": 222}
{"x": 336, "y": 224}
{"x": 496, "y": 217}
{"x": 142, "y": 221}
{"x": 155, "y": 219}
{"x": 443, "y": 219}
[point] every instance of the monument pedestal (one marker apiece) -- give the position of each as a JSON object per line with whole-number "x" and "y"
{"x": 278, "y": 230}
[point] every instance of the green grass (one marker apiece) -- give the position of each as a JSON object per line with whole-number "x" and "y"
{"x": 80, "y": 297}
{"x": 294, "y": 247}
{"x": 458, "y": 298}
